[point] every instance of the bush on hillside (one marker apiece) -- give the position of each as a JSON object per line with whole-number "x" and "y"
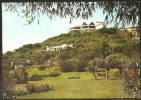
{"x": 107, "y": 30}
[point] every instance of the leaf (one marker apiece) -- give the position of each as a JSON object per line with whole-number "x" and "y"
{"x": 106, "y": 18}
{"x": 70, "y": 20}
{"x": 38, "y": 22}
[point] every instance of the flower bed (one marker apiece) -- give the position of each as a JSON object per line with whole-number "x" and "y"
{"x": 31, "y": 88}
{"x": 21, "y": 90}
{"x": 37, "y": 88}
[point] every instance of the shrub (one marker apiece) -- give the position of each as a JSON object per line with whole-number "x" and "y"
{"x": 41, "y": 68}
{"x": 21, "y": 90}
{"x": 66, "y": 66}
{"x": 8, "y": 83}
{"x": 55, "y": 73}
{"x": 45, "y": 75}
{"x": 20, "y": 75}
{"x": 35, "y": 77}
{"x": 37, "y": 88}
{"x": 31, "y": 88}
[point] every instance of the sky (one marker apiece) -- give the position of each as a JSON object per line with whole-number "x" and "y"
{"x": 15, "y": 33}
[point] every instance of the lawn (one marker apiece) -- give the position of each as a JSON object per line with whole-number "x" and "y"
{"x": 85, "y": 87}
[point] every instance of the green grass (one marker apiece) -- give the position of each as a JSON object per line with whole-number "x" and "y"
{"x": 85, "y": 87}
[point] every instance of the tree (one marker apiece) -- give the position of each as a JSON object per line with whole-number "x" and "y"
{"x": 115, "y": 60}
{"x": 8, "y": 54}
{"x": 93, "y": 66}
{"x": 124, "y": 12}
{"x": 8, "y": 82}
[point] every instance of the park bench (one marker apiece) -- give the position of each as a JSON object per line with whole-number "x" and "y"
{"x": 73, "y": 77}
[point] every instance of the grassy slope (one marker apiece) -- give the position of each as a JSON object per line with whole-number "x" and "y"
{"x": 85, "y": 87}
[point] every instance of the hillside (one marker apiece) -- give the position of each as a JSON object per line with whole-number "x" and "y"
{"x": 86, "y": 46}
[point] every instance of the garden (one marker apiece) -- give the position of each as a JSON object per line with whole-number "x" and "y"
{"x": 103, "y": 64}
{"x": 52, "y": 83}
{"x": 85, "y": 87}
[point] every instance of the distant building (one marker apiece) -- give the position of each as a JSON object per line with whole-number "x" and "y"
{"x": 54, "y": 48}
{"x": 130, "y": 29}
{"x": 134, "y": 30}
{"x": 18, "y": 66}
{"x": 88, "y": 27}
{"x": 100, "y": 24}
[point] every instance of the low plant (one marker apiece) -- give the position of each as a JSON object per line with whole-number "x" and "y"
{"x": 35, "y": 77}
{"x": 8, "y": 83}
{"x": 20, "y": 75}
{"x": 31, "y": 88}
{"x": 55, "y": 73}
{"x": 51, "y": 73}
{"x": 45, "y": 75}
{"x": 21, "y": 90}
{"x": 131, "y": 88}
{"x": 37, "y": 88}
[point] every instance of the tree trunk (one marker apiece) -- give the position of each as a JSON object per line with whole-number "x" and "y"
{"x": 94, "y": 74}
{"x": 107, "y": 74}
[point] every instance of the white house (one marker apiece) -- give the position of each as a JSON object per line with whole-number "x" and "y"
{"x": 100, "y": 24}
{"x": 54, "y": 48}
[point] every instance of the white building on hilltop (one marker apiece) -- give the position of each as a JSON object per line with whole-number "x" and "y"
{"x": 100, "y": 24}
{"x": 88, "y": 27}
{"x": 54, "y": 48}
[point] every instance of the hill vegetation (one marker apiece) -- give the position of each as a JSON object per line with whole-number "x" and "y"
{"x": 103, "y": 43}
